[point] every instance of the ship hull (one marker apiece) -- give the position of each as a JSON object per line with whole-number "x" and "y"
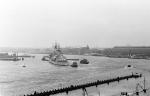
{"x": 59, "y": 63}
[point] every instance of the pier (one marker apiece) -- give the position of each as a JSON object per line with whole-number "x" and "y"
{"x": 85, "y": 85}
{"x": 74, "y": 59}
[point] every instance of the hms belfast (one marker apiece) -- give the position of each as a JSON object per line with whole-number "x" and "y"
{"x": 57, "y": 57}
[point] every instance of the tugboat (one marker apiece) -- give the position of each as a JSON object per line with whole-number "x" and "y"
{"x": 57, "y": 57}
{"x": 74, "y": 64}
{"x": 84, "y": 61}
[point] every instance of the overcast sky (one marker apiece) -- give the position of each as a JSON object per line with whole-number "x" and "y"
{"x": 98, "y": 23}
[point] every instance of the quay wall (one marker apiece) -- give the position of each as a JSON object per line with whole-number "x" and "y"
{"x": 126, "y": 51}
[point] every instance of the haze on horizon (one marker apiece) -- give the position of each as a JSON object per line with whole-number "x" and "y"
{"x": 98, "y": 23}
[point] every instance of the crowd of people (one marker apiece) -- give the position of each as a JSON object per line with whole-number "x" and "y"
{"x": 83, "y": 86}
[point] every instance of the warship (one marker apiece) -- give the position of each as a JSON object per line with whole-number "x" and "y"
{"x": 57, "y": 57}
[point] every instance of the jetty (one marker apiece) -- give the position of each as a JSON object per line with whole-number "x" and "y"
{"x": 86, "y": 84}
{"x": 74, "y": 59}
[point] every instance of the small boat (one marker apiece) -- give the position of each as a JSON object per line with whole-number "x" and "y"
{"x": 24, "y": 65}
{"x": 74, "y": 64}
{"x": 129, "y": 67}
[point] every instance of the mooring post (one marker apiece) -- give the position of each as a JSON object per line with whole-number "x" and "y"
{"x": 84, "y": 92}
{"x": 144, "y": 90}
{"x": 98, "y": 91}
{"x": 67, "y": 92}
{"x": 137, "y": 91}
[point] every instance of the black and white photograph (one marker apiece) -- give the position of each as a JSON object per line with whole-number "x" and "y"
{"x": 74, "y": 48}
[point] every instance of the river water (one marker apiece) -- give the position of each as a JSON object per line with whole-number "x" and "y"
{"x": 39, "y": 75}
